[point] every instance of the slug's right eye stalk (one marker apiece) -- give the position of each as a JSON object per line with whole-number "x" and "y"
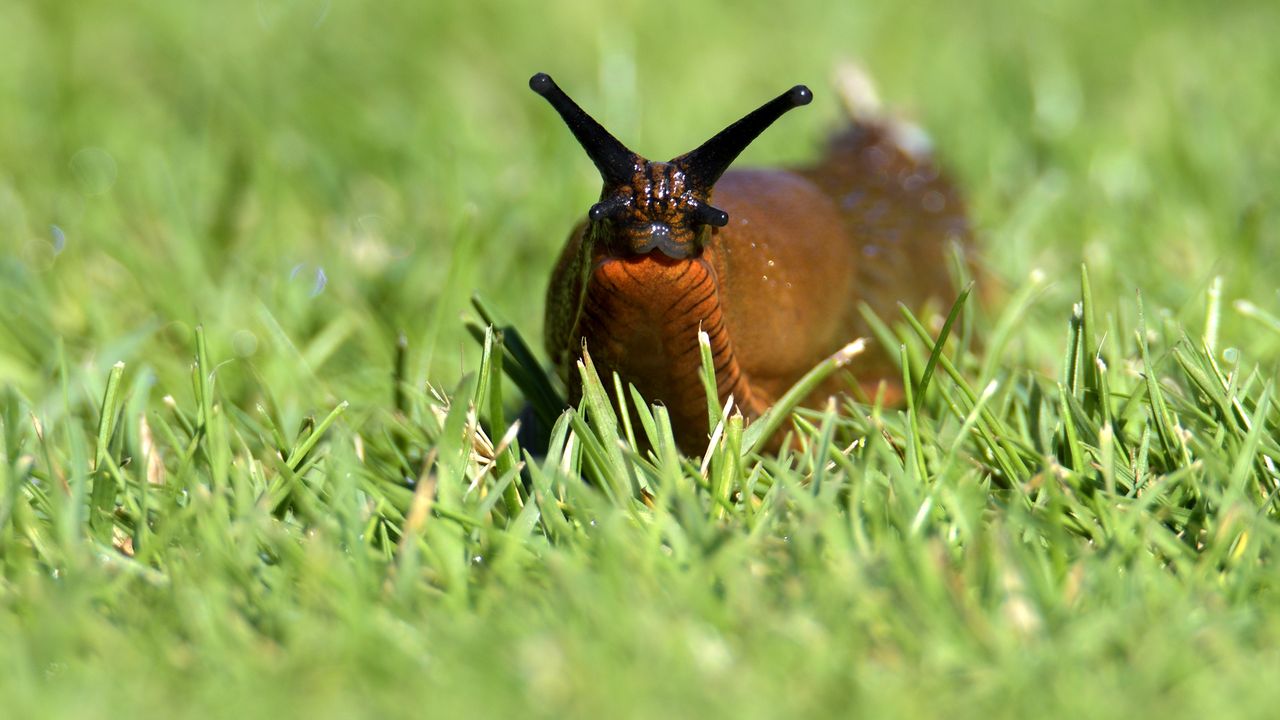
{"x": 606, "y": 208}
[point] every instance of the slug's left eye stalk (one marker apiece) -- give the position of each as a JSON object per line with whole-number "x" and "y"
{"x": 713, "y": 216}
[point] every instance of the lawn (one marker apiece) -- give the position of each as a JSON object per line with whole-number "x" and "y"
{"x": 251, "y": 419}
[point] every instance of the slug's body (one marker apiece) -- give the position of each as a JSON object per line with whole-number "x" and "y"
{"x": 774, "y": 273}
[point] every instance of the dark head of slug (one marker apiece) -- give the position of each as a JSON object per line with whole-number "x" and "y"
{"x": 664, "y": 206}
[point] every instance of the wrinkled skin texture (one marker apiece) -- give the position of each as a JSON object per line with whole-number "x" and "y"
{"x": 777, "y": 290}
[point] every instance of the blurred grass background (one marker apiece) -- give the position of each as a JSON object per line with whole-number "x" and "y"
{"x": 171, "y": 163}
{"x": 308, "y": 178}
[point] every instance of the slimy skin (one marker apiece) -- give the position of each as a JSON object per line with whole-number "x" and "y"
{"x": 774, "y": 272}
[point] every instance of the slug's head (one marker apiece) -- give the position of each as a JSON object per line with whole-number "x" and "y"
{"x": 664, "y": 206}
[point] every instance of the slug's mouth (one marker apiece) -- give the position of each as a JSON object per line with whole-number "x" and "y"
{"x": 658, "y": 236}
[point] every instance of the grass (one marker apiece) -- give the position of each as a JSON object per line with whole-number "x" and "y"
{"x": 253, "y": 462}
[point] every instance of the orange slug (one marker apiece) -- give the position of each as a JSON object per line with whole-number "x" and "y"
{"x": 773, "y": 271}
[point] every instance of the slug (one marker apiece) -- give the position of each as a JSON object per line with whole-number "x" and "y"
{"x": 771, "y": 263}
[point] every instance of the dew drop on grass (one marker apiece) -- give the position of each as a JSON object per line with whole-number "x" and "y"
{"x": 245, "y": 343}
{"x": 59, "y": 239}
{"x": 95, "y": 171}
{"x": 321, "y": 281}
{"x": 318, "y": 284}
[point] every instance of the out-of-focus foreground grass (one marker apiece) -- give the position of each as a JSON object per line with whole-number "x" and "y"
{"x": 307, "y": 179}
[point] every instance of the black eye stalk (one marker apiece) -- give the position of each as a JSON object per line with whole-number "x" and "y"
{"x": 615, "y": 162}
{"x": 606, "y": 208}
{"x": 708, "y": 215}
{"x": 704, "y": 165}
